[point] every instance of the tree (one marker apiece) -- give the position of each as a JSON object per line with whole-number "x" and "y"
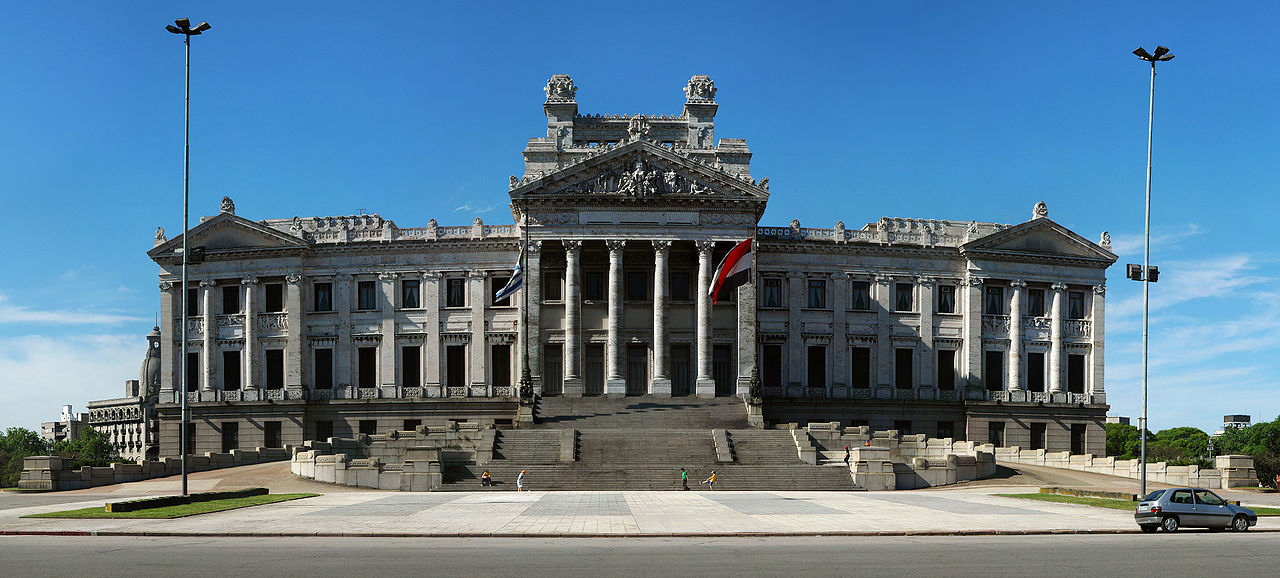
{"x": 1190, "y": 442}
{"x": 17, "y": 443}
{"x": 1260, "y": 440}
{"x": 1123, "y": 441}
{"x": 90, "y": 448}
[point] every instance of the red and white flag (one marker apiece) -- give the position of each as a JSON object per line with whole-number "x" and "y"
{"x": 734, "y": 270}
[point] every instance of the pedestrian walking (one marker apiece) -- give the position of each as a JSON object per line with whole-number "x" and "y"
{"x": 520, "y": 482}
{"x": 711, "y": 481}
{"x": 684, "y": 478}
{"x": 846, "y": 456}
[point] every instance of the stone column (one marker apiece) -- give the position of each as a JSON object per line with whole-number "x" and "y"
{"x": 928, "y": 376}
{"x": 479, "y": 299}
{"x": 746, "y": 333}
{"x": 1015, "y": 336}
{"x": 250, "y": 369}
{"x": 532, "y": 331}
{"x": 344, "y": 350}
{"x": 660, "y": 385}
{"x": 796, "y": 302}
{"x": 1055, "y": 339}
{"x": 973, "y": 333}
{"x": 841, "y": 293}
{"x": 208, "y": 365}
{"x": 387, "y": 351}
{"x": 615, "y": 382}
{"x": 295, "y": 370}
{"x": 1098, "y": 316}
{"x": 706, "y": 384}
{"x": 431, "y": 327}
{"x": 572, "y": 320}
{"x": 885, "y": 357}
{"x": 170, "y": 325}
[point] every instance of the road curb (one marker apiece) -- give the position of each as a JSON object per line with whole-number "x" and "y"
{"x": 150, "y": 534}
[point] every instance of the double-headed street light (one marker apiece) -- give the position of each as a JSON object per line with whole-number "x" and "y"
{"x": 183, "y": 27}
{"x": 1146, "y": 275}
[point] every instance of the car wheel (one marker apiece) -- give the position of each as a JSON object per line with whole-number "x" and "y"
{"x": 1170, "y": 524}
{"x": 1240, "y": 524}
{"x": 1150, "y": 528}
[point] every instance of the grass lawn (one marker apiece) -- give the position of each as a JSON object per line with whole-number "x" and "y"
{"x": 177, "y": 511}
{"x": 1108, "y": 503}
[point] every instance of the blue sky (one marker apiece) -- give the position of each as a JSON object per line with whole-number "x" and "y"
{"x": 855, "y": 110}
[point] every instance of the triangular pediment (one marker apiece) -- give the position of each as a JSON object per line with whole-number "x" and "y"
{"x": 227, "y": 232}
{"x": 640, "y": 169}
{"x": 1039, "y": 238}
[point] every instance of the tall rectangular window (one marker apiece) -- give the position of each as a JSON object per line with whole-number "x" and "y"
{"x": 275, "y": 368}
{"x": 230, "y": 436}
{"x": 594, "y": 288}
{"x": 772, "y": 365}
{"x": 903, "y": 374}
{"x": 1075, "y": 373}
{"x": 455, "y": 292}
{"x": 323, "y": 294}
{"x": 324, "y": 430}
{"x": 637, "y": 286}
{"x": 1038, "y": 436}
{"x": 230, "y": 299}
{"x": 1075, "y": 305}
{"x": 455, "y": 365}
{"x": 553, "y": 286}
{"x": 946, "y": 299}
{"x": 946, "y": 369}
{"x": 680, "y": 286}
{"x": 994, "y": 303}
{"x": 817, "y": 294}
{"x": 995, "y": 433}
{"x": 772, "y": 294}
{"x": 1078, "y": 438}
{"x": 1035, "y": 302}
{"x": 324, "y": 368}
{"x": 193, "y": 371}
{"x": 193, "y": 302}
{"x": 411, "y": 366}
{"x": 366, "y": 295}
{"x": 860, "y": 366}
{"x": 1035, "y": 371}
{"x": 271, "y": 437}
{"x": 552, "y": 369}
{"x": 230, "y": 370}
{"x": 817, "y": 366}
{"x": 861, "y": 296}
{"x": 902, "y": 297}
{"x": 367, "y": 366}
{"x": 495, "y": 285}
{"x": 274, "y": 297}
{"x": 993, "y": 370}
{"x": 410, "y": 294}
{"x": 500, "y": 362}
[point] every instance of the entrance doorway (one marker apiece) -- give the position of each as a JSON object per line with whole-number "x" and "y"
{"x": 594, "y": 383}
{"x": 722, "y": 369}
{"x": 553, "y": 370}
{"x": 681, "y": 376}
{"x": 637, "y": 369}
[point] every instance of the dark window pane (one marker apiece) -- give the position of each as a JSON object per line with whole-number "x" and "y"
{"x": 1075, "y": 373}
{"x": 456, "y": 365}
{"x": 1075, "y": 305}
{"x": 994, "y": 304}
{"x": 193, "y": 371}
{"x": 1035, "y": 372}
{"x": 772, "y": 296}
{"x": 366, "y": 298}
{"x": 367, "y": 360}
{"x": 993, "y": 370}
{"x": 230, "y": 299}
{"x": 902, "y": 297}
{"x": 411, "y": 366}
{"x": 637, "y": 286}
{"x": 817, "y": 294}
{"x": 500, "y": 362}
{"x": 230, "y": 370}
{"x": 495, "y": 285}
{"x": 324, "y": 296}
{"x": 817, "y": 366}
{"x": 903, "y": 426}
{"x": 772, "y": 365}
{"x": 903, "y": 374}
{"x": 946, "y": 299}
{"x": 275, "y": 368}
{"x": 324, "y": 430}
{"x": 594, "y": 291}
{"x": 274, "y": 297}
{"x": 271, "y": 435}
{"x": 1038, "y": 436}
{"x": 410, "y": 294}
{"x": 861, "y": 296}
{"x": 1035, "y": 306}
{"x": 552, "y": 287}
{"x": 455, "y": 294}
{"x": 193, "y": 302}
{"x": 995, "y": 433}
{"x": 324, "y": 368}
{"x": 230, "y": 436}
{"x": 369, "y": 427}
{"x": 680, "y": 286}
{"x": 946, "y": 369}
{"x": 861, "y": 367}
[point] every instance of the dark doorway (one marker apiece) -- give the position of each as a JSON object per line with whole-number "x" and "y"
{"x": 1038, "y": 436}
{"x": 637, "y": 369}
{"x": 230, "y": 436}
{"x": 552, "y": 370}
{"x": 771, "y": 362}
{"x": 681, "y": 373}
{"x": 1077, "y": 438}
{"x": 594, "y": 383}
{"x": 722, "y": 369}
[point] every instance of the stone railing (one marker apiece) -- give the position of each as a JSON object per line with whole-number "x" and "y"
{"x": 273, "y": 324}
{"x": 925, "y": 232}
{"x": 1024, "y": 396}
{"x": 995, "y": 325}
{"x": 47, "y": 473}
{"x": 886, "y": 460}
{"x": 398, "y": 460}
{"x": 1231, "y": 471}
{"x": 1076, "y": 329}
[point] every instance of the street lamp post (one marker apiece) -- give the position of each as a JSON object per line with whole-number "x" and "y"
{"x": 1161, "y": 54}
{"x": 183, "y": 27}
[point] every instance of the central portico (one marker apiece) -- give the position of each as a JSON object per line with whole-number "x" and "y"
{"x": 627, "y": 217}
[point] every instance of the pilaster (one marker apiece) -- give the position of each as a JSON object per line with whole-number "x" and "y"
{"x": 882, "y": 290}
{"x": 342, "y": 303}
{"x": 796, "y": 301}
{"x": 572, "y": 320}
{"x": 251, "y": 350}
{"x": 1096, "y": 355}
{"x": 746, "y": 333}
{"x": 973, "y": 333}
{"x": 295, "y": 371}
{"x": 431, "y": 341}
{"x": 1055, "y": 339}
{"x": 208, "y": 366}
{"x": 660, "y": 385}
{"x": 479, "y": 300}
{"x": 387, "y": 349}
{"x": 531, "y": 330}
{"x": 170, "y": 363}
{"x": 706, "y": 383}
{"x": 1015, "y": 335}
{"x": 928, "y": 374}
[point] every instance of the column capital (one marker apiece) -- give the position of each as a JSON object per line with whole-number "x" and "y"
{"x": 1058, "y": 286}
{"x": 250, "y": 280}
{"x": 208, "y": 283}
{"x": 926, "y": 280}
{"x": 388, "y": 276}
{"x": 973, "y": 280}
{"x": 572, "y": 245}
{"x": 293, "y": 278}
{"x": 535, "y": 247}
{"x": 705, "y": 245}
{"x": 615, "y": 245}
{"x": 1018, "y": 284}
{"x": 166, "y": 286}
{"x": 662, "y": 246}
{"x": 882, "y": 278}
{"x": 1100, "y": 290}
{"x": 432, "y": 275}
{"x": 477, "y": 273}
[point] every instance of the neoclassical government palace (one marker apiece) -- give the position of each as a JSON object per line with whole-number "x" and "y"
{"x": 310, "y": 327}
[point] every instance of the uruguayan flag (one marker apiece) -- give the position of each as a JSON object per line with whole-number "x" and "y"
{"x": 517, "y": 279}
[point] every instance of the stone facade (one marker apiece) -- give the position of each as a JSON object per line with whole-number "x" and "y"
{"x": 303, "y": 327}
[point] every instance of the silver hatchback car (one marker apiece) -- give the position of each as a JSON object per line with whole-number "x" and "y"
{"x": 1192, "y": 508}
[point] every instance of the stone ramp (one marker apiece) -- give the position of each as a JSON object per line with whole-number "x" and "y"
{"x": 643, "y": 411}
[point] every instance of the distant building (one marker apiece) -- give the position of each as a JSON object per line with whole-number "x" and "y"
{"x": 1117, "y": 419}
{"x": 129, "y": 421}
{"x": 1235, "y": 421}
{"x": 66, "y": 428}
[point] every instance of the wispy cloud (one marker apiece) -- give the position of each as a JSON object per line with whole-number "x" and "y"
{"x": 39, "y": 373}
{"x": 13, "y": 313}
{"x": 471, "y": 208}
{"x": 1165, "y": 237}
{"x": 1183, "y": 281}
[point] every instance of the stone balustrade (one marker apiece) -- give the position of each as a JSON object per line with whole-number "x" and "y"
{"x": 49, "y": 473}
{"x": 1232, "y": 471}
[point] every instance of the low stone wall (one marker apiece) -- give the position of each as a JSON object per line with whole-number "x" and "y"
{"x": 1231, "y": 471}
{"x": 48, "y": 473}
{"x": 886, "y": 460}
{"x": 410, "y": 461}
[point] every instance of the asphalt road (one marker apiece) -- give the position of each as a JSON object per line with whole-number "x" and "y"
{"x": 1189, "y": 553}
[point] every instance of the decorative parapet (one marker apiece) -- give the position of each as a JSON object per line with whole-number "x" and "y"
{"x": 1231, "y": 471}
{"x": 368, "y": 228}
{"x": 48, "y": 473}
{"x": 889, "y": 231}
